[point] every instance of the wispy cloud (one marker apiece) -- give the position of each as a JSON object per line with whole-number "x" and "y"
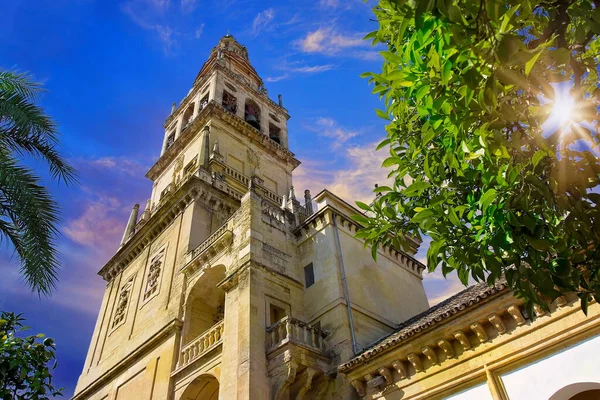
{"x": 277, "y": 78}
{"x": 330, "y": 128}
{"x": 353, "y": 181}
{"x": 138, "y": 12}
{"x": 187, "y": 6}
{"x": 199, "y": 31}
{"x": 298, "y": 67}
{"x": 119, "y": 165}
{"x": 262, "y": 21}
{"x": 329, "y": 3}
{"x": 329, "y": 41}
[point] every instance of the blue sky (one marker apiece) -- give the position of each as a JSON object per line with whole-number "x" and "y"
{"x": 112, "y": 70}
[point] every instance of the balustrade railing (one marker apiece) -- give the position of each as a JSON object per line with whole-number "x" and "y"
{"x": 202, "y": 344}
{"x": 209, "y": 241}
{"x": 292, "y": 330}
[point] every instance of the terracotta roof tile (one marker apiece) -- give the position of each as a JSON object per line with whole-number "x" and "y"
{"x": 426, "y": 320}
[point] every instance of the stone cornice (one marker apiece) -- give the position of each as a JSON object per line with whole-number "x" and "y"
{"x": 414, "y": 265}
{"x": 170, "y": 328}
{"x": 211, "y": 110}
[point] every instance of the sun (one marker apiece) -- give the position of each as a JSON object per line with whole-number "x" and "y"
{"x": 563, "y": 111}
{"x": 564, "y": 107}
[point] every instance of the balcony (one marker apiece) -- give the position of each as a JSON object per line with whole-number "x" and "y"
{"x": 201, "y": 345}
{"x": 290, "y": 330}
{"x": 213, "y": 245}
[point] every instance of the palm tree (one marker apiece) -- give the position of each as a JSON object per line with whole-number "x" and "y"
{"x": 28, "y": 214}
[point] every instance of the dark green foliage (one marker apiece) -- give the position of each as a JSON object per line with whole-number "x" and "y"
{"x": 28, "y": 214}
{"x": 24, "y": 371}
{"x": 463, "y": 84}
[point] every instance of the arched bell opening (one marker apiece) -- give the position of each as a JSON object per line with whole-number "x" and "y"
{"x": 578, "y": 391}
{"x": 204, "y": 387}
{"x": 252, "y": 113}
{"x": 205, "y": 305}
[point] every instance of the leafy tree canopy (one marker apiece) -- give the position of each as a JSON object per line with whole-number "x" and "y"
{"x": 24, "y": 371}
{"x": 467, "y": 86}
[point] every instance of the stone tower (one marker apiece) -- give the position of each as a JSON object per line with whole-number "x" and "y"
{"x": 226, "y": 287}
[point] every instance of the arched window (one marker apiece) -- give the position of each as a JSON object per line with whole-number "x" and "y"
{"x": 252, "y": 113}
{"x": 274, "y": 133}
{"x": 578, "y": 391}
{"x": 187, "y": 116}
{"x": 229, "y": 102}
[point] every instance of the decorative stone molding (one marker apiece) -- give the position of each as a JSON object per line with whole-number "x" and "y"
{"x": 414, "y": 359}
{"x": 496, "y": 320}
{"x": 400, "y": 368}
{"x": 359, "y": 387}
{"x": 430, "y": 354}
{"x": 515, "y": 312}
{"x": 446, "y": 347}
{"x": 387, "y": 375}
{"x": 561, "y": 301}
{"x": 462, "y": 339}
{"x": 204, "y": 343}
{"x": 539, "y": 311}
{"x": 478, "y": 329}
{"x": 292, "y": 368}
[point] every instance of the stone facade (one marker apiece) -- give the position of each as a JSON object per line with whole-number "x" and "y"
{"x": 227, "y": 286}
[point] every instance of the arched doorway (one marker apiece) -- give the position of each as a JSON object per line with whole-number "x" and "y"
{"x": 578, "y": 391}
{"x": 204, "y": 387}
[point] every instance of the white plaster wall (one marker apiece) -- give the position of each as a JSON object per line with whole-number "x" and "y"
{"x": 480, "y": 392}
{"x": 540, "y": 380}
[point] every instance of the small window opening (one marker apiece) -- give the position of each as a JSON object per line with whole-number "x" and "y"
{"x": 309, "y": 275}
{"x": 170, "y": 141}
{"x": 276, "y": 313}
{"x": 187, "y": 116}
{"x": 275, "y": 133}
{"x": 204, "y": 102}
{"x": 229, "y": 102}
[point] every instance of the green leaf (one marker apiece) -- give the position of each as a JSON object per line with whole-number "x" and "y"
{"x": 487, "y": 198}
{"x": 446, "y": 72}
{"x": 538, "y": 156}
{"x": 531, "y": 63}
{"x": 422, "y": 216}
{"x": 391, "y": 161}
{"x": 363, "y": 206}
{"x": 538, "y": 244}
{"x": 382, "y": 114}
{"x": 361, "y": 219}
{"x": 416, "y": 188}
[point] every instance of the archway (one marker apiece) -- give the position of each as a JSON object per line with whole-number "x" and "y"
{"x": 204, "y": 387}
{"x": 578, "y": 391}
{"x": 205, "y": 305}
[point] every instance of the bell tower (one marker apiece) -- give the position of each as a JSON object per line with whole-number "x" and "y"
{"x": 226, "y": 286}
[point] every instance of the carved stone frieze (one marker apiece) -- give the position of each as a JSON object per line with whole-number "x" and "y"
{"x": 415, "y": 360}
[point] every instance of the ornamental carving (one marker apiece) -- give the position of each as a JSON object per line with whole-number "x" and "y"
{"x": 153, "y": 276}
{"x": 122, "y": 303}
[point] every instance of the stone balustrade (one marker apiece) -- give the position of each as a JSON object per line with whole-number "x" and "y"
{"x": 201, "y": 345}
{"x": 202, "y": 247}
{"x": 291, "y": 330}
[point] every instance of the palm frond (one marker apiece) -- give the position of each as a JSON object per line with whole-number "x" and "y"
{"x": 25, "y": 128}
{"x": 21, "y": 83}
{"x": 29, "y": 218}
